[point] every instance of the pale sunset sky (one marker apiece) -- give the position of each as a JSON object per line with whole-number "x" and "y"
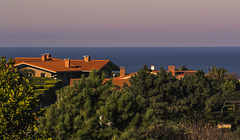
{"x": 119, "y": 23}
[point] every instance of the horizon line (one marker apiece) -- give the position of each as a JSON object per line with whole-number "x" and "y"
{"x": 113, "y": 46}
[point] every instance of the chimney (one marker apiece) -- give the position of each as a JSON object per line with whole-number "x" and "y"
{"x": 122, "y": 71}
{"x": 67, "y": 62}
{"x": 171, "y": 68}
{"x": 43, "y": 57}
{"x": 86, "y": 58}
{"x": 48, "y": 55}
{"x": 152, "y": 67}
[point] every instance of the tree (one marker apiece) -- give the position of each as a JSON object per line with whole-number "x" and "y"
{"x": 232, "y": 76}
{"x": 182, "y": 68}
{"x": 17, "y": 103}
{"x": 93, "y": 110}
{"x": 161, "y": 91}
{"x": 217, "y": 73}
{"x": 152, "y": 106}
{"x": 192, "y": 98}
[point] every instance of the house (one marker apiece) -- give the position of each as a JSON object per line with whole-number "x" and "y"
{"x": 65, "y": 69}
{"x": 180, "y": 74}
{"x": 22, "y": 74}
{"x": 116, "y": 81}
{"x": 124, "y": 79}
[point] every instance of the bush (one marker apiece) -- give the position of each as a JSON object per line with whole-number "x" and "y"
{"x": 45, "y": 89}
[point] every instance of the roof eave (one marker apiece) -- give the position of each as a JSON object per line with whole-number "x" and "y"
{"x": 69, "y": 71}
{"x": 114, "y": 68}
{"x": 24, "y": 63}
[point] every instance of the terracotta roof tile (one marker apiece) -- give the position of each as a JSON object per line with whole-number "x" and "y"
{"x": 126, "y": 76}
{"x": 189, "y": 73}
{"x": 119, "y": 82}
{"x": 125, "y": 79}
{"x": 88, "y": 66}
{"x": 57, "y": 65}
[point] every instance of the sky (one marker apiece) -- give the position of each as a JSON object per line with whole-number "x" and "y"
{"x": 119, "y": 23}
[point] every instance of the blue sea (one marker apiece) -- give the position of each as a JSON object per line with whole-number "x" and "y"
{"x": 134, "y": 58}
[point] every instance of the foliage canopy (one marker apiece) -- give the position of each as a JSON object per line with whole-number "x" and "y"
{"x": 17, "y": 103}
{"x": 92, "y": 110}
{"x": 151, "y": 107}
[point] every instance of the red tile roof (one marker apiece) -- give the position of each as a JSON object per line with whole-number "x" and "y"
{"x": 116, "y": 81}
{"x": 58, "y": 65}
{"x": 189, "y": 73}
{"x": 72, "y": 81}
{"x": 121, "y": 80}
{"x": 89, "y": 66}
{"x": 126, "y": 79}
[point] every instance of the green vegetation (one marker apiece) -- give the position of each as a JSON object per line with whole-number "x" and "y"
{"x": 92, "y": 110}
{"x": 153, "y": 107}
{"x": 18, "y": 106}
{"x": 45, "y": 89}
{"x": 192, "y": 99}
{"x": 217, "y": 73}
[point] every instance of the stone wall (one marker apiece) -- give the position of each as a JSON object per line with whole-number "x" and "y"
{"x": 38, "y": 72}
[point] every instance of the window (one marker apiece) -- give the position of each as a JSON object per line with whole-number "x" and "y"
{"x": 30, "y": 74}
{"x": 43, "y": 74}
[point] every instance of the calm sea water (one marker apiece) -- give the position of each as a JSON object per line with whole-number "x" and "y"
{"x": 134, "y": 58}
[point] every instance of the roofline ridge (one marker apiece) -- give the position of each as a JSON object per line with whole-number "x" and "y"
{"x": 35, "y": 66}
{"x": 28, "y": 57}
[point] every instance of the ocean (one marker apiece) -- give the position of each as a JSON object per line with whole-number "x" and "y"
{"x": 134, "y": 58}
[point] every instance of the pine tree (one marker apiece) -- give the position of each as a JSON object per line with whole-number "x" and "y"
{"x": 159, "y": 91}
{"x": 203, "y": 96}
{"x": 153, "y": 103}
{"x": 93, "y": 110}
{"x": 17, "y": 103}
{"x": 192, "y": 98}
